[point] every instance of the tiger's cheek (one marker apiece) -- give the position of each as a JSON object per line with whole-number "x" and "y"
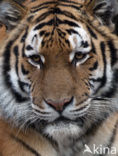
{"x": 84, "y": 74}
{"x": 36, "y": 88}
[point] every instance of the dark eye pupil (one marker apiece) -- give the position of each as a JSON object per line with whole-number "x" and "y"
{"x": 36, "y": 58}
{"x": 79, "y": 56}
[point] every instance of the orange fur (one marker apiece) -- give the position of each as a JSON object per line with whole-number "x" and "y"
{"x": 3, "y": 33}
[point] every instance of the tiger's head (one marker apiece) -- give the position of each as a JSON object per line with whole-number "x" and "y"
{"x": 58, "y": 65}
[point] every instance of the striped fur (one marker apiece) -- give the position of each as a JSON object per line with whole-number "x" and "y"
{"x": 58, "y": 78}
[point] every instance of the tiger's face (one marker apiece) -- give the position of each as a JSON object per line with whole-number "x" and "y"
{"x": 58, "y": 68}
{"x": 59, "y": 74}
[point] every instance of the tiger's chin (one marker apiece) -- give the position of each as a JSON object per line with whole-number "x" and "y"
{"x": 61, "y": 131}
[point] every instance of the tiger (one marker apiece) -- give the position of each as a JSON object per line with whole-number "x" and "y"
{"x": 58, "y": 78}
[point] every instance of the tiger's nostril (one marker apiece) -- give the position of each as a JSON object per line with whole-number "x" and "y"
{"x": 59, "y": 105}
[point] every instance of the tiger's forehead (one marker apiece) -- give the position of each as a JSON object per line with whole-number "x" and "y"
{"x": 34, "y": 4}
{"x": 53, "y": 26}
{"x": 60, "y": 39}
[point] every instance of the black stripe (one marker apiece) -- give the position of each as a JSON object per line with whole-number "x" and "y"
{"x": 29, "y": 47}
{"x": 71, "y": 6}
{"x": 39, "y": 9}
{"x": 62, "y": 12}
{"x": 113, "y": 52}
{"x": 7, "y": 67}
{"x": 85, "y": 44}
{"x": 92, "y": 32}
{"x": 24, "y": 71}
{"x": 67, "y": 41}
{"x": 15, "y": 50}
{"x": 104, "y": 78}
{"x": 95, "y": 65}
{"x": 41, "y": 25}
{"x": 7, "y": 57}
{"x": 112, "y": 138}
{"x": 61, "y": 33}
{"x": 81, "y": 108}
{"x": 101, "y": 32}
{"x": 102, "y": 46}
{"x": 70, "y": 2}
{"x": 22, "y": 85}
{"x": 66, "y": 13}
{"x": 43, "y": 4}
{"x": 47, "y": 34}
{"x": 42, "y": 33}
{"x": 43, "y": 16}
{"x": 20, "y": 3}
{"x": 53, "y": 2}
{"x": 91, "y": 85}
{"x": 12, "y": 19}
{"x": 33, "y": 151}
{"x": 100, "y": 6}
{"x": 113, "y": 88}
{"x": 56, "y": 23}
{"x": 99, "y": 79}
{"x": 55, "y": 11}
{"x": 68, "y": 22}
{"x": 24, "y": 35}
{"x": 30, "y": 18}
{"x": 71, "y": 31}
{"x": 23, "y": 50}
{"x": 93, "y": 47}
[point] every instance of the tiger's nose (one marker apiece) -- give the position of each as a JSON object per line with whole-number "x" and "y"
{"x": 59, "y": 105}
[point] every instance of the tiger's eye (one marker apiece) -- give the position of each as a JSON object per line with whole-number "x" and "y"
{"x": 35, "y": 58}
{"x": 36, "y": 61}
{"x": 79, "y": 56}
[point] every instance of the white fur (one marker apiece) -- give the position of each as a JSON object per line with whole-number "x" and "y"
{"x": 14, "y": 79}
{"x": 34, "y": 64}
{"x": 62, "y": 131}
{"x": 9, "y": 107}
{"x": 51, "y": 116}
{"x": 82, "y": 61}
{"x": 76, "y": 39}
{"x": 76, "y": 42}
{"x": 35, "y": 42}
{"x": 71, "y": 113}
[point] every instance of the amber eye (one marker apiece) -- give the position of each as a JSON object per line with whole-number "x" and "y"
{"x": 79, "y": 58}
{"x": 35, "y": 58}
{"x": 36, "y": 61}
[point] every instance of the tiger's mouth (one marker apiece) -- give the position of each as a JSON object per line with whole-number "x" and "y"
{"x": 58, "y": 126}
{"x": 78, "y": 121}
{"x": 64, "y": 120}
{"x": 63, "y": 128}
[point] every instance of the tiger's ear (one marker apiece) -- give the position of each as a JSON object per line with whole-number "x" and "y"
{"x": 105, "y": 10}
{"x": 11, "y": 13}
